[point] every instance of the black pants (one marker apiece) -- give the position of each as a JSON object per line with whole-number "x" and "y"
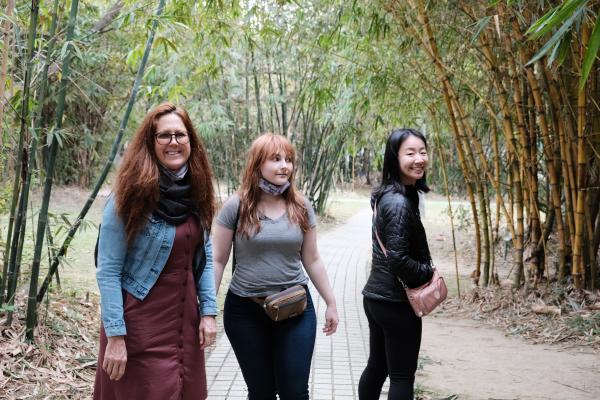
{"x": 394, "y": 341}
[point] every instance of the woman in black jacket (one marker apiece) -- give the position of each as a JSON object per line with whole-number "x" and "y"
{"x": 395, "y": 330}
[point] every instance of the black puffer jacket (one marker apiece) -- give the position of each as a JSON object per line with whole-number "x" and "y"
{"x": 398, "y": 223}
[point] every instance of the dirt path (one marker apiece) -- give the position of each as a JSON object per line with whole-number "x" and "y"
{"x": 476, "y": 362}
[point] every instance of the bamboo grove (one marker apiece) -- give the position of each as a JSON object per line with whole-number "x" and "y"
{"x": 524, "y": 119}
{"x": 507, "y": 92}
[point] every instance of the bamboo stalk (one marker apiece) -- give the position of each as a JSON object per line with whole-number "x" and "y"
{"x": 594, "y": 196}
{"x": 490, "y": 237}
{"x": 496, "y": 179}
{"x": 21, "y": 219}
{"x": 50, "y": 248}
{"x": 560, "y": 223}
{"x": 570, "y": 181}
{"x": 273, "y": 105}
{"x": 259, "y": 115}
{"x": 282, "y": 93}
{"x": 443, "y": 70}
{"x": 107, "y": 167}
{"x": 453, "y": 106}
{"x": 545, "y": 134}
{"x": 6, "y": 27}
{"x": 518, "y": 251}
{"x": 17, "y": 218}
{"x": 529, "y": 172}
{"x": 578, "y": 270}
{"x": 485, "y": 229}
{"x": 515, "y": 162}
{"x": 43, "y": 214}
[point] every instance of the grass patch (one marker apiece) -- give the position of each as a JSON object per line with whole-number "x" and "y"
{"x": 588, "y": 324}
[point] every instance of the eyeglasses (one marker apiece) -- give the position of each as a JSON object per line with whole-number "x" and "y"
{"x": 167, "y": 137}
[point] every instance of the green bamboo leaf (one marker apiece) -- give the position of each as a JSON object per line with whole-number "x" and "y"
{"x": 126, "y": 20}
{"x": 59, "y": 230}
{"x": 134, "y": 56}
{"x": 563, "y": 50}
{"x": 540, "y": 23}
{"x": 78, "y": 51}
{"x": 556, "y": 38}
{"x": 560, "y": 51}
{"x": 65, "y": 48}
{"x": 55, "y": 134}
{"x": 65, "y": 219}
{"x": 13, "y": 20}
{"x": 555, "y": 17}
{"x": 181, "y": 25}
{"x": 480, "y": 26}
{"x": 166, "y": 43}
{"x": 590, "y": 54}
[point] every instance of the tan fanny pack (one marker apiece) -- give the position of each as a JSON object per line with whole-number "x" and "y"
{"x": 286, "y": 304}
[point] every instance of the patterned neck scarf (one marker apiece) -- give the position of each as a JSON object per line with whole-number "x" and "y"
{"x": 271, "y": 188}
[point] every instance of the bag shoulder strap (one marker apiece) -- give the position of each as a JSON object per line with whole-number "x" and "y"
{"x": 381, "y": 244}
{"x": 376, "y": 233}
{"x": 237, "y": 218}
{"x": 385, "y": 250}
{"x": 96, "y": 246}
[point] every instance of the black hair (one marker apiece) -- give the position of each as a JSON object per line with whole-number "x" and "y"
{"x": 390, "y": 176}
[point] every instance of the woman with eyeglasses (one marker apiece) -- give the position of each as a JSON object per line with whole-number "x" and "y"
{"x": 155, "y": 267}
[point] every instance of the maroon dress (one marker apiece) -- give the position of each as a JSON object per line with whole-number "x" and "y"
{"x": 164, "y": 359}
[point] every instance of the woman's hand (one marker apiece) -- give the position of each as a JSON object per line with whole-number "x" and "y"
{"x": 331, "y": 320}
{"x": 115, "y": 357}
{"x": 318, "y": 275}
{"x": 208, "y": 330}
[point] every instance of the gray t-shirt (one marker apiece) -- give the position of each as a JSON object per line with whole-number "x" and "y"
{"x": 270, "y": 260}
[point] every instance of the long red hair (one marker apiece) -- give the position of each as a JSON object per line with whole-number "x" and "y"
{"x": 137, "y": 190}
{"x": 264, "y": 147}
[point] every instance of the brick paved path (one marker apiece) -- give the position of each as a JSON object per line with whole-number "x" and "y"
{"x": 454, "y": 350}
{"x": 338, "y": 360}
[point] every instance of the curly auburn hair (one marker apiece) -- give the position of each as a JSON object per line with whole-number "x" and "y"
{"x": 137, "y": 188}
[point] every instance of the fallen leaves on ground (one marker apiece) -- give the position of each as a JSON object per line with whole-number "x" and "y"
{"x": 547, "y": 314}
{"x": 61, "y": 364}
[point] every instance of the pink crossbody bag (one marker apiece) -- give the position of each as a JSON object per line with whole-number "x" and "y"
{"x": 425, "y": 298}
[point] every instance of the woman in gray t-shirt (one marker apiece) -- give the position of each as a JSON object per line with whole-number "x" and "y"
{"x": 274, "y": 228}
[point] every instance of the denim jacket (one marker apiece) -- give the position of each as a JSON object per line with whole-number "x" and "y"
{"x": 136, "y": 268}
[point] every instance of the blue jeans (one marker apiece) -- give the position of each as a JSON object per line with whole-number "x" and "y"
{"x": 274, "y": 356}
